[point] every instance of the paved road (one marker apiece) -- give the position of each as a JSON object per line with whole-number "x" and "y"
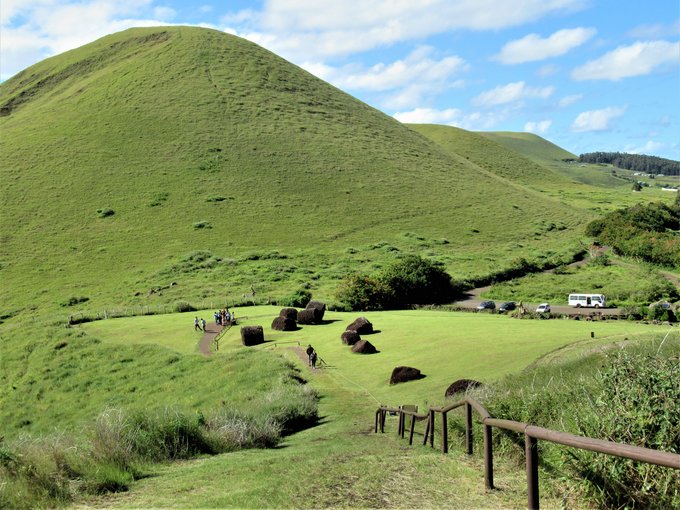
{"x": 473, "y": 298}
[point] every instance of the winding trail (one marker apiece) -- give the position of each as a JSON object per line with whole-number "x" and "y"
{"x": 211, "y": 331}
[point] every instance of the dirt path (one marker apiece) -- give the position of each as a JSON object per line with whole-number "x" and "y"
{"x": 211, "y": 331}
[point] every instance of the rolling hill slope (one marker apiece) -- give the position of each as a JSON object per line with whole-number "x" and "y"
{"x": 187, "y": 155}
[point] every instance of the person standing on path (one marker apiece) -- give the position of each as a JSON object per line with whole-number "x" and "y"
{"x": 197, "y": 326}
{"x": 312, "y": 358}
{"x": 309, "y": 352}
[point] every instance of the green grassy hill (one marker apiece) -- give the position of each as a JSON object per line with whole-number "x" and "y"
{"x": 187, "y": 155}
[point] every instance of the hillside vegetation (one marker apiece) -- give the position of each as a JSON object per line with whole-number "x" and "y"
{"x": 226, "y": 167}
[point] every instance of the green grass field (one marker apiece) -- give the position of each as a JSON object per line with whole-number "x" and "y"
{"x": 343, "y": 462}
{"x": 445, "y": 346}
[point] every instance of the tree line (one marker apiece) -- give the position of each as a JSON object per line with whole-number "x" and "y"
{"x": 636, "y": 162}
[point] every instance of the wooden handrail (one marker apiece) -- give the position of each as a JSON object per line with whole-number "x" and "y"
{"x": 531, "y": 434}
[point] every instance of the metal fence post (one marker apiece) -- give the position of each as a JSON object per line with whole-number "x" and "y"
{"x": 531, "y": 451}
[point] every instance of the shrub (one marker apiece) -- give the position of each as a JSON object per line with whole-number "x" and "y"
{"x": 298, "y": 299}
{"x": 414, "y": 280}
{"x": 409, "y": 281}
{"x": 362, "y": 292}
{"x": 638, "y": 404}
{"x": 183, "y": 306}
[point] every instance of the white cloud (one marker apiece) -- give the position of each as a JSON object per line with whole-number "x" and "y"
{"x": 411, "y": 80}
{"x": 569, "y": 100}
{"x": 637, "y": 59}
{"x": 533, "y": 47}
{"x": 473, "y": 121}
{"x": 302, "y": 29}
{"x": 655, "y": 31}
{"x": 649, "y": 148}
{"x": 540, "y": 127}
{"x": 511, "y": 92}
{"x": 597, "y": 120}
{"x": 32, "y": 31}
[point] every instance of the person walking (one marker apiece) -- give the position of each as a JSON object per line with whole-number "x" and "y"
{"x": 203, "y": 323}
{"x": 312, "y": 358}
{"x": 309, "y": 352}
{"x": 197, "y": 325}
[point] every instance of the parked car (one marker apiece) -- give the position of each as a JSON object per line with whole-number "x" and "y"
{"x": 506, "y": 307}
{"x": 543, "y": 308}
{"x": 486, "y": 305}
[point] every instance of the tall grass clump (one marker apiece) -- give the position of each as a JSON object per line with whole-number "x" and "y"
{"x": 625, "y": 395}
{"x": 120, "y": 445}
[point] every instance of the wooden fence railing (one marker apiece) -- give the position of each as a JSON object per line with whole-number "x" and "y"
{"x": 531, "y": 433}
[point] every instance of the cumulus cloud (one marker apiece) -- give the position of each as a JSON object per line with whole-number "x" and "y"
{"x": 533, "y": 47}
{"x": 597, "y": 120}
{"x": 35, "y": 30}
{"x": 638, "y": 59}
{"x": 511, "y": 92}
{"x": 409, "y": 80}
{"x": 539, "y": 128}
{"x": 309, "y": 28}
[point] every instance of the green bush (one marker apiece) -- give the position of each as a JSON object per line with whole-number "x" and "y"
{"x": 406, "y": 282}
{"x": 297, "y": 299}
{"x": 638, "y": 404}
{"x": 362, "y": 292}
{"x": 184, "y": 306}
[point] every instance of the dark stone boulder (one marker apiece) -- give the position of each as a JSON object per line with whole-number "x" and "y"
{"x": 319, "y": 307}
{"x": 350, "y": 337}
{"x": 405, "y": 374}
{"x": 284, "y": 324}
{"x": 461, "y": 386}
{"x": 289, "y": 313}
{"x": 252, "y": 335}
{"x": 361, "y": 326}
{"x": 307, "y": 316}
{"x": 364, "y": 347}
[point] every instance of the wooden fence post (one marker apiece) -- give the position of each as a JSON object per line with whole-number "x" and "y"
{"x": 468, "y": 428}
{"x": 531, "y": 451}
{"x": 445, "y": 434}
{"x": 488, "y": 457}
{"x": 413, "y": 426}
{"x": 431, "y": 428}
{"x": 427, "y": 429}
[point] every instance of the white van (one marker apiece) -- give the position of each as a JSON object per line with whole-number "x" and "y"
{"x": 587, "y": 300}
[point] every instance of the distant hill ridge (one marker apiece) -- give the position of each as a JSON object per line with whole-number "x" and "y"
{"x": 123, "y": 157}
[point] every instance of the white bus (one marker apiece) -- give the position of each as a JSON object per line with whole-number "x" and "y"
{"x": 587, "y": 300}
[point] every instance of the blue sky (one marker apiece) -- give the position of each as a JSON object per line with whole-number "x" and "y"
{"x": 588, "y": 75}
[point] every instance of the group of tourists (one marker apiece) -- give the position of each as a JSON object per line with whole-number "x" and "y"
{"x": 311, "y": 354}
{"x": 223, "y": 317}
